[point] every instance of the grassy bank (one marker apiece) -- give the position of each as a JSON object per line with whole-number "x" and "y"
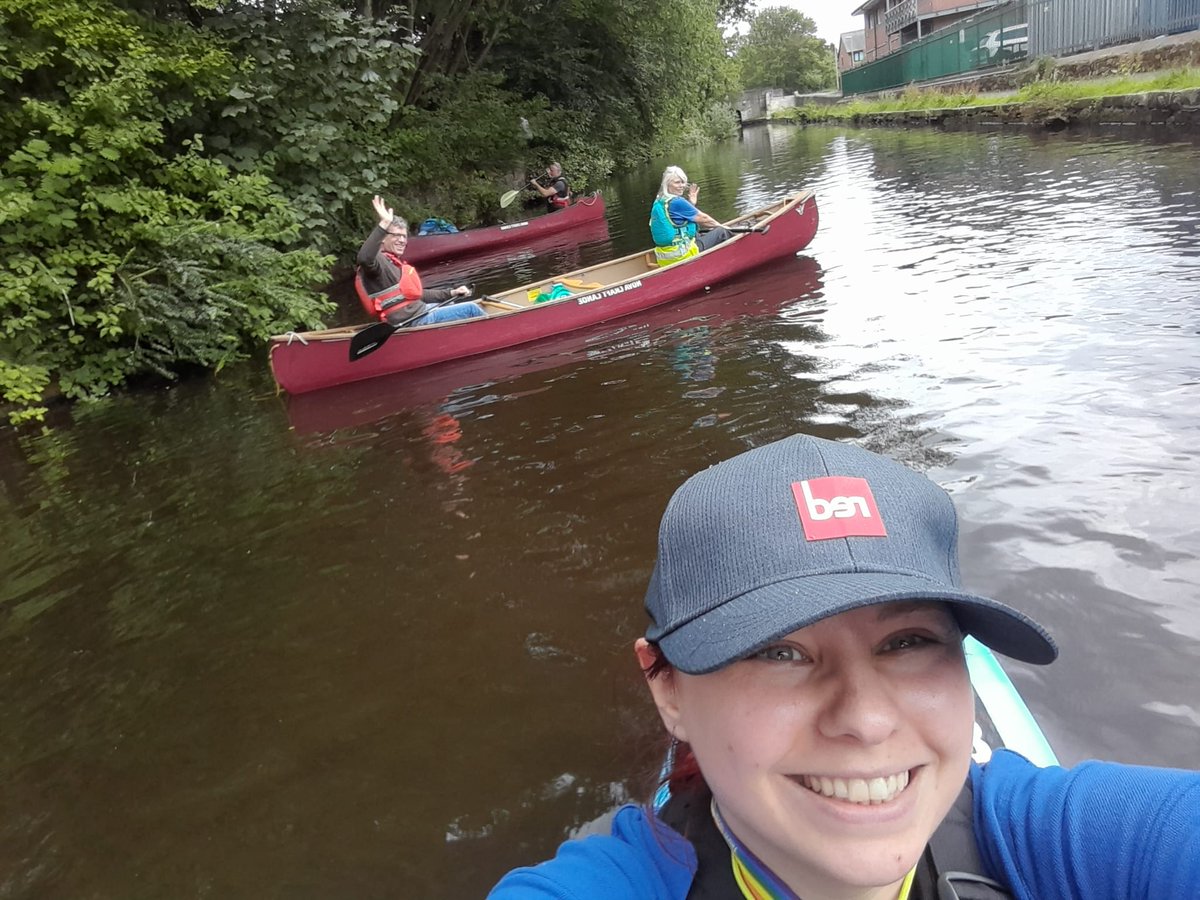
{"x": 1048, "y": 92}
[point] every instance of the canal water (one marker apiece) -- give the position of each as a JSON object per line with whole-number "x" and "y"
{"x": 377, "y": 643}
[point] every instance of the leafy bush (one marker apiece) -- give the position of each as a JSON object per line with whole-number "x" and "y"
{"x": 172, "y": 172}
{"x": 451, "y": 154}
{"x": 312, "y": 105}
{"x": 103, "y": 273}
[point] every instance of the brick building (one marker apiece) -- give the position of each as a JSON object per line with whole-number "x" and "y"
{"x": 890, "y": 24}
{"x": 851, "y": 50}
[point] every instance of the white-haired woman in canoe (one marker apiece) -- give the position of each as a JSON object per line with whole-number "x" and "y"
{"x": 675, "y": 220}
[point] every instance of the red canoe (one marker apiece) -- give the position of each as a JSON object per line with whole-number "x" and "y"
{"x": 427, "y": 248}
{"x": 313, "y": 360}
{"x": 758, "y": 294}
{"x": 562, "y": 246}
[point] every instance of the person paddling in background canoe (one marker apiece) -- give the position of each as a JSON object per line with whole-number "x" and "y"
{"x": 805, "y": 653}
{"x": 390, "y": 289}
{"x": 558, "y": 193}
{"x": 674, "y": 220}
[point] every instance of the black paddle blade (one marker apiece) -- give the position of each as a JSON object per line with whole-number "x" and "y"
{"x": 369, "y": 339}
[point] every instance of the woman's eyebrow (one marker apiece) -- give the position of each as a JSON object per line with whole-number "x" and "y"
{"x": 894, "y": 610}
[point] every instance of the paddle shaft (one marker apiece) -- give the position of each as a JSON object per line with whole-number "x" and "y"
{"x": 367, "y": 340}
{"x": 496, "y": 301}
{"x": 509, "y": 196}
{"x": 748, "y": 229}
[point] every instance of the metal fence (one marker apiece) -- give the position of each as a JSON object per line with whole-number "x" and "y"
{"x": 1069, "y": 26}
{"x": 1019, "y": 29}
{"x": 998, "y": 35}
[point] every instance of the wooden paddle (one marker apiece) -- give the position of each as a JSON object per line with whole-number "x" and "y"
{"x": 748, "y": 229}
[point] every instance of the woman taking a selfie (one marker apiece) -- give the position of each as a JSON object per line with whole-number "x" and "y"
{"x": 805, "y": 656}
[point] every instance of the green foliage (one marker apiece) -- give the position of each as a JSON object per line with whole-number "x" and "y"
{"x": 311, "y": 106}
{"x": 730, "y": 12}
{"x": 23, "y": 386}
{"x": 450, "y": 154}
{"x": 96, "y": 204}
{"x": 1044, "y": 68}
{"x": 912, "y": 99}
{"x": 1176, "y": 80}
{"x": 172, "y": 172}
{"x": 639, "y": 77}
{"x": 781, "y": 50}
{"x": 1039, "y": 95}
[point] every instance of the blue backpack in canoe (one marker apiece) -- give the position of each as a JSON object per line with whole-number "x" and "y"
{"x": 437, "y": 226}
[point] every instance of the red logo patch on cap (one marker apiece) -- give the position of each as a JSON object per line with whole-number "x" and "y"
{"x": 836, "y": 507}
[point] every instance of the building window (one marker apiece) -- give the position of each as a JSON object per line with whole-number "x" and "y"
{"x": 856, "y": 56}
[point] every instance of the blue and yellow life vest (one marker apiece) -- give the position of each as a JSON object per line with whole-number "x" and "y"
{"x": 672, "y": 243}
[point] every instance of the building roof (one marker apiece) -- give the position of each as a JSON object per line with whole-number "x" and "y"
{"x": 868, "y": 5}
{"x": 853, "y": 40}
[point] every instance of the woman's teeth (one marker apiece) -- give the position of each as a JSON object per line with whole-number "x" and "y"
{"x": 858, "y": 790}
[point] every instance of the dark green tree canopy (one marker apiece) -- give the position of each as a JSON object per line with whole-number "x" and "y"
{"x": 782, "y": 50}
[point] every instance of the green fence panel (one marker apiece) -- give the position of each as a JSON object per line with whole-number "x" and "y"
{"x": 991, "y": 38}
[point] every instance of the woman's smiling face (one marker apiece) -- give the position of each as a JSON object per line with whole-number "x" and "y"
{"x": 834, "y": 752}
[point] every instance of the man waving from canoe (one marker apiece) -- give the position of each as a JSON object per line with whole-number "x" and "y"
{"x": 390, "y": 289}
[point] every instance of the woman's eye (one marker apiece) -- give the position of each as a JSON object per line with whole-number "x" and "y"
{"x": 906, "y": 642}
{"x": 779, "y": 653}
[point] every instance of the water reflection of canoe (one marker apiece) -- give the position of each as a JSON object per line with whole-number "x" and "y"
{"x": 426, "y": 248}
{"x": 321, "y": 359}
{"x": 762, "y": 293}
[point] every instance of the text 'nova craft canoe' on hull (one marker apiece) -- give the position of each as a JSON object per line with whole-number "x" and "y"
{"x": 426, "y": 248}
{"x": 313, "y": 360}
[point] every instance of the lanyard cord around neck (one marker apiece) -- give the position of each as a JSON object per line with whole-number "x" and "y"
{"x": 756, "y": 880}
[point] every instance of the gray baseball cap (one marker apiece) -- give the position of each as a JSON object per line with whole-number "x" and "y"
{"x": 793, "y": 532}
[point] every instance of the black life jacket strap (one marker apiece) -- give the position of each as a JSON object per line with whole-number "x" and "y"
{"x": 961, "y": 886}
{"x": 955, "y": 856}
{"x": 950, "y": 868}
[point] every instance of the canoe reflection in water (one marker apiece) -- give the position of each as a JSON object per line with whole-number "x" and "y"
{"x": 686, "y": 325}
{"x": 443, "y": 431}
{"x": 693, "y": 357}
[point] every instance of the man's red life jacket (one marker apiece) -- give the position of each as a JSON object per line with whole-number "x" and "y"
{"x": 395, "y": 299}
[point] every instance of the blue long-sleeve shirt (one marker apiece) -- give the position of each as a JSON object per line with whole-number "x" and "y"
{"x": 1097, "y": 831}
